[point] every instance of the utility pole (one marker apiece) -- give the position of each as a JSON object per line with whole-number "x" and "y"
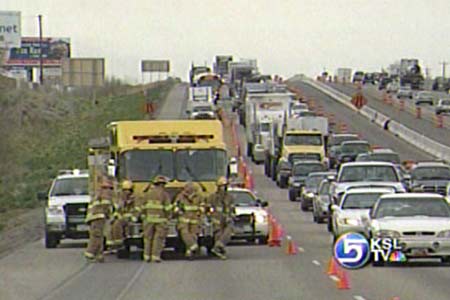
{"x": 444, "y": 64}
{"x": 41, "y": 65}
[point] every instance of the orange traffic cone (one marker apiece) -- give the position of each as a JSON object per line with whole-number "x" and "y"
{"x": 343, "y": 282}
{"x": 274, "y": 235}
{"x": 332, "y": 267}
{"x": 291, "y": 248}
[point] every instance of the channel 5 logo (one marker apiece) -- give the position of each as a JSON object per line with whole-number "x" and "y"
{"x": 353, "y": 250}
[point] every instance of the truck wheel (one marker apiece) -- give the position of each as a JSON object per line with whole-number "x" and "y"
{"x": 320, "y": 220}
{"x": 283, "y": 183}
{"x": 180, "y": 247}
{"x": 249, "y": 149}
{"x": 51, "y": 240}
{"x": 263, "y": 240}
{"x": 292, "y": 195}
{"x": 273, "y": 173}
{"x": 124, "y": 252}
{"x": 330, "y": 225}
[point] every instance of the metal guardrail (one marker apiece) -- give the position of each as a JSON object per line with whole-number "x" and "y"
{"x": 428, "y": 145}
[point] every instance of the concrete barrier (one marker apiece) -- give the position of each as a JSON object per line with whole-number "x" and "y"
{"x": 420, "y": 141}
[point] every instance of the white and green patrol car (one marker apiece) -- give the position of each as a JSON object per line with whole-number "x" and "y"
{"x": 66, "y": 207}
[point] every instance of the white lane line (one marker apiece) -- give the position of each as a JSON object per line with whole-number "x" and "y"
{"x": 334, "y": 278}
{"x": 300, "y": 249}
{"x": 356, "y": 297}
{"x": 131, "y": 282}
{"x": 316, "y": 262}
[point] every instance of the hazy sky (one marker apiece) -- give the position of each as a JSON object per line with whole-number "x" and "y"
{"x": 286, "y": 36}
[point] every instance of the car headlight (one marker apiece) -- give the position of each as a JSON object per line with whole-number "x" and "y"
{"x": 349, "y": 221}
{"x": 296, "y": 184}
{"x": 55, "y": 210}
{"x": 444, "y": 234}
{"x": 310, "y": 195}
{"x": 387, "y": 234}
{"x": 260, "y": 218}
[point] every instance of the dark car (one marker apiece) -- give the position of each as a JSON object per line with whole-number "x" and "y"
{"x": 299, "y": 173}
{"x": 310, "y": 189}
{"x": 351, "y": 149}
{"x": 369, "y": 78}
{"x": 334, "y": 141}
{"x": 430, "y": 177}
{"x": 384, "y": 82}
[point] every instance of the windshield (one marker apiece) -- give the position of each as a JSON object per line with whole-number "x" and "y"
{"x": 412, "y": 207}
{"x": 264, "y": 127}
{"x": 202, "y": 108}
{"x": 200, "y": 165}
{"x": 305, "y": 169}
{"x": 144, "y": 165}
{"x": 387, "y": 157}
{"x": 70, "y": 186}
{"x": 243, "y": 198}
{"x": 431, "y": 173}
{"x": 360, "y": 201}
{"x": 368, "y": 173}
{"x": 336, "y": 140}
{"x": 303, "y": 156}
{"x": 355, "y": 148}
{"x": 312, "y": 182}
{"x": 209, "y": 82}
{"x": 324, "y": 188}
{"x": 307, "y": 139}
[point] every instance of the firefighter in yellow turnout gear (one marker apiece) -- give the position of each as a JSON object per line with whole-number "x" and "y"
{"x": 99, "y": 211}
{"x": 188, "y": 206}
{"x": 223, "y": 213}
{"x": 156, "y": 210}
{"x": 127, "y": 211}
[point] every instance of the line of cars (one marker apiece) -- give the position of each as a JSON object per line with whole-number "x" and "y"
{"x": 372, "y": 193}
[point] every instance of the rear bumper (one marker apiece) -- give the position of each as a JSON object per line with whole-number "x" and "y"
{"x": 425, "y": 247}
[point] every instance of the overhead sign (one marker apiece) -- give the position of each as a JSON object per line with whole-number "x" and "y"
{"x": 83, "y": 72}
{"x": 53, "y": 51}
{"x": 155, "y": 66}
{"x": 10, "y": 29}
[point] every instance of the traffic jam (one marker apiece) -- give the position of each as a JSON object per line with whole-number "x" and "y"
{"x": 237, "y": 119}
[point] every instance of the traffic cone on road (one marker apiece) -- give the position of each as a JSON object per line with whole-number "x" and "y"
{"x": 274, "y": 235}
{"x": 332, "y": 267}
{"x": 291, "y": 248}
{"x": 343, "y": 283}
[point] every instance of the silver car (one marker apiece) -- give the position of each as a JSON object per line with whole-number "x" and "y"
{"x": 355, "y": 204}
{"x": 419, "y": 221}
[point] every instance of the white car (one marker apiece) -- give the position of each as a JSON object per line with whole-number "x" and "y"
{"x": 66, "y": 207}
{"x": 251, "y": 222}
{"x": 371, "y": 173}
{"x": 404, "y": 92}
{"x": 355, "y": 204}
{"x": 419, "y": 221}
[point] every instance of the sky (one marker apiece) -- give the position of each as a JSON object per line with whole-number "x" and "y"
{"x": 287, "y": 37}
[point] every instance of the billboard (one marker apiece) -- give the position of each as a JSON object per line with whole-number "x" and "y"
{"x": 10, "y": 29}
{"x": 155, "y": 66}
{"x": 27, "y": 55}
{"x": 83, "y": 72}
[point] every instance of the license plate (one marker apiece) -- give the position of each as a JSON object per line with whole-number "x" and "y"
{"x": 419, "y": 252}
{"x": 82, "y": 227}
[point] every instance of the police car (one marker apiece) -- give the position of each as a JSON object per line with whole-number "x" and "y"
{"x": 66, "y": 207}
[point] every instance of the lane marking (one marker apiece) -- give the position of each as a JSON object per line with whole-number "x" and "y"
{"x": 131, "y": 282}
{"x": 356, "y": 297}
{"x": 300, "y": 249}
{"x": 334, "y": 278}
{"x": 316, "y": 262}
{"x": 68, "y": 281}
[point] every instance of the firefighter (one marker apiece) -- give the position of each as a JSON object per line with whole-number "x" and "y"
{"x": 188, "y": 206}
{"x": 223, "y": 212}
{"x": 99, "y": 211}
{"x": 126, "y": 211}
{"x": 156, "y": 210}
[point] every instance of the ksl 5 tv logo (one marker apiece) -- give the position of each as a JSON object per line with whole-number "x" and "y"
{"x": 353, "y": 250}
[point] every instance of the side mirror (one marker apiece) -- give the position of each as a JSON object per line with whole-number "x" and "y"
{"x": 42, "y": 196}
{"x": 334, "y": 207}
{"x": 112, "y": 168}
{"x": 188, "y": 112}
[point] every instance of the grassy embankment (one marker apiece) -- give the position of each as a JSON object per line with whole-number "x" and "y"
{"x": 43, "y": 132}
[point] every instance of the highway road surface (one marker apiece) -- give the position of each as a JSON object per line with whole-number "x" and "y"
{"x": 251, "y": 272}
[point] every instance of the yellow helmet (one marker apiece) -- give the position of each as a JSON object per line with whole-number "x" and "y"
{"x": 127, "y": 185}
{"x": 222, "y": 181}
{"x": 160, "y": 180}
